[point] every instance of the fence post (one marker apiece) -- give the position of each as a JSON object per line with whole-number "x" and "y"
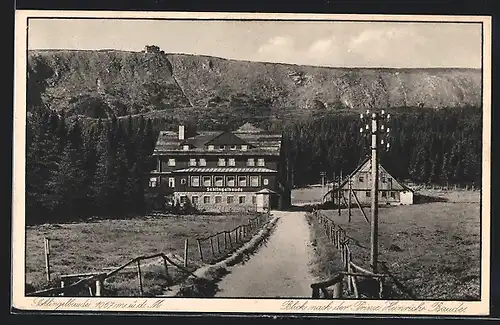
{"x": 98, "y": 287}
{"x": 218, "y": 243}
{"x": 225, "y": 240}
{"x": 139, "y": 275}
{"x": 166, "y": 268}
{"x": 381, "y": 287}
{"x": 315, "y": 293}
{"x": 230, "y": 240}
{"x": 185, "y": 252}
{"x": 212, "y": 246}
{"x": 46, "y": 243}
{"x": 349, "y": 279}
{"x": 199, "y": 249}
{"x": 62, "y": 286}
{"x": 337, "y": 289}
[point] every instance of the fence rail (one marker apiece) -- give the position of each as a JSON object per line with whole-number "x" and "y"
{"x": 94, "y": 281}
{"x": 98, "y": 278}
{"x": 223, "y": 241}
{"x": 350, "y": 270}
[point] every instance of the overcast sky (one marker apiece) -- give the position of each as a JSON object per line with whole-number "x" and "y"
{"x": 337, "y": 44}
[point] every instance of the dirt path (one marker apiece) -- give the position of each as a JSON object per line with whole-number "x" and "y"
{"x": 280, "y": 268}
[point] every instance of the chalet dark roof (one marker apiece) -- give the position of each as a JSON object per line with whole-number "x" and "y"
{"x": 258, "y": 140}
{"x": 226, "y": 137}
{"x": 202, "y": 138}
{"x": 354, "y": 172}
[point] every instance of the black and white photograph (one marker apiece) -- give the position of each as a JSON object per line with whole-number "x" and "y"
{"x": 278, "y": 163}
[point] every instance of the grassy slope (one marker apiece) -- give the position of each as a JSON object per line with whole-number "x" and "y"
{"x": 92, "y": 246}
{"x": 432, "y": 249}
{"x": 134, "y": 82}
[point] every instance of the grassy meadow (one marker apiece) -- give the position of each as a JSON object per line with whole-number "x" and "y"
{"x": 101, "y": 245}
{"x": 430, "y": 250}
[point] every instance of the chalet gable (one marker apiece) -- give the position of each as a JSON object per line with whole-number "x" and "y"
{"x": 226, "y": 139}
{"x": 362, "y": 174}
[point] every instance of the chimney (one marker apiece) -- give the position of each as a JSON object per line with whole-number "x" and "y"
{"x": 181, "y": 132}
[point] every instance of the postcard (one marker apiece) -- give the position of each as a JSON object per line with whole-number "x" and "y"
{"x": 250, "y": 163}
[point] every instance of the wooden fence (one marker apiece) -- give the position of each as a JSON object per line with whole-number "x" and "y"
{"x": 220, "y": 243}
{"x": 350, "y": 270}
{"x": 94, "y": 281}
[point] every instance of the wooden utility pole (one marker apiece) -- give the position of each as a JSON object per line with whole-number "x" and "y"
{"x": 46, "y": 242}
{"x": 339, "y": 191}
{"x": 349, "y": 201}
{"x": 374, "y": 205}
{"x": 323, "y": 183}
{"x": 334, "y": 189}
{"x": 375, "y": 132}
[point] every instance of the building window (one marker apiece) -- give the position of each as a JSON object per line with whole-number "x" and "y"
{"x": 202, "y": 162}
{"x": 219, "y": 181}
{"x": 192, "y": 162}
{"x": 152, "y": 182}
{"x": 393, "y": 195}
{"x": 266, "y": 181}
{"x": 233, "y": 147}
{"x": 195, "y": 181}
{"x": 211, "y": 147}
{"x": 384, "y": 194}
{"x": 242, "y": 181}
{"x": 230, "y": 181}
{"x": 261, "y": 162}
{"x": 194, "y": 199}
{"x": 244, "y": 147}
{"x": 254, "y": 181}
{"x": 221, "y": 162}
{"x": 184, "y": 199}
{"x": 206, "y": 199}
{"x": 254, "y": 199}
{"x": 185, "y": 147}
{"x": 218, "y": 199}
{"x": 241, "y": 199}
{"x": 251, "y": 162}
{"x": 361, "y": 179}
{"x": 183, "y": 181}
{"x": 171, "y": 182}
{"x": 368, "y": 193}
{"x": 171, "y": 162}
{"x": 382, "y": 178}
{"x": 231, "y": 162}
{"x": 222, "y": 147}
{"x": 207, "y": 181}
{"x": 229, "y": 199}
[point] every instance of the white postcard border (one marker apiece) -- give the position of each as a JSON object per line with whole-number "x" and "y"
{"x": 214, "y": 305}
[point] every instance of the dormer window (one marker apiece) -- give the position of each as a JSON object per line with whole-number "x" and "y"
{"x": 233, "y": 147}
{"x": 211, "y": 147}
{"x": 185, "y": 147}
{"x": 244, "y": 147}
{"x": 222, "y": 147}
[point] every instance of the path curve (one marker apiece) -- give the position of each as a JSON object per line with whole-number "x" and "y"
{"x": 278, "y": 269}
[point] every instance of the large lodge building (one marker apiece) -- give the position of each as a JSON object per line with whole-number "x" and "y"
{"x": 221, "y": 170}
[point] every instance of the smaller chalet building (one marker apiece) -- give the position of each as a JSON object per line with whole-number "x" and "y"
{"x": 390, "y": 190}
{"x": 221, "y": 171}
